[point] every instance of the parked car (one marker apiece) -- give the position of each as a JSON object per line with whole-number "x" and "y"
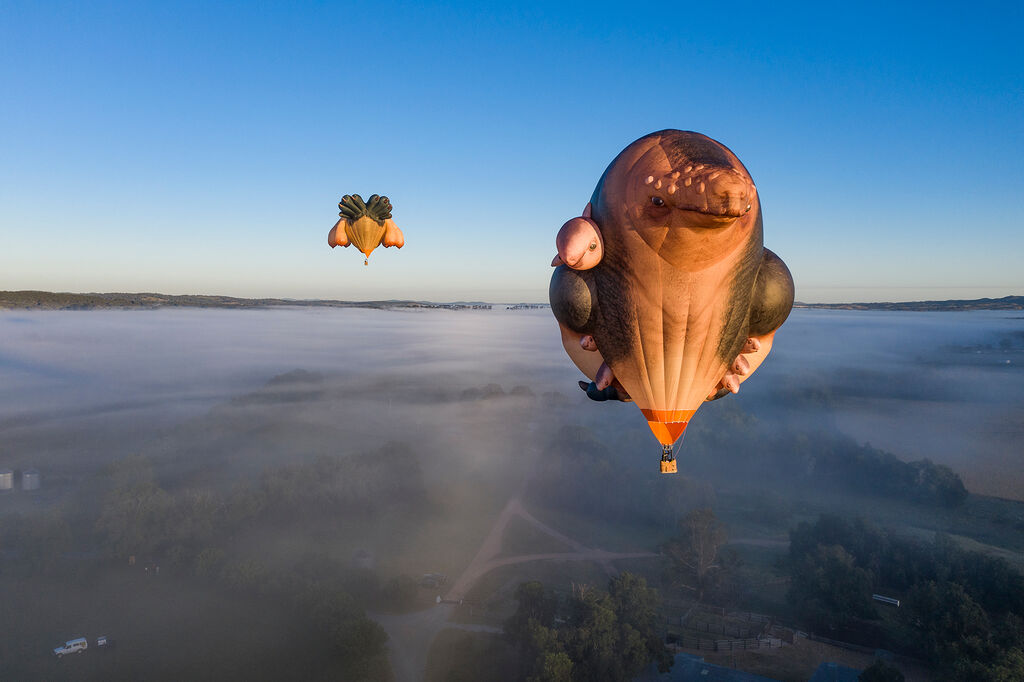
{"x": 72, "y": 646}
{"x": 104, "y": 642}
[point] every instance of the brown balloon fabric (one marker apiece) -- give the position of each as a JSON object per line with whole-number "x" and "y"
{"x": 669, "y": 304}
{"x": 365, "y": 234}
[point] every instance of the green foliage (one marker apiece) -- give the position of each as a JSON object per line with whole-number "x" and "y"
{"x": 355, "y": 484}
{"x": 139, "y": 517}
{"x": 960, "y": 608}
{"x": 543, "y": 653}
{"x": 609, "y": 635}
{"x": 829, "y": 589}
{"x": 695, "y": 551}
{"x": 900, "y": 563}
{"x": 827, "y": 460}
{"x": 948, "y": 624}
{"x": 536, "y": 604}
{"x": 554, "y": 667}
{"x": 134, "y": 518}
{"x": 1007, "y": 667}
{"x": 358, "y": 641}
{"x": 637, "y": 607}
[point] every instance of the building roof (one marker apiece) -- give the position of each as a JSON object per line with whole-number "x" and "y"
{"x": 689, "y": 668}
{"x": 834, "y": 672}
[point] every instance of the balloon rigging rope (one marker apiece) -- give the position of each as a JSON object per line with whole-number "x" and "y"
{"x": 677, "y": 447}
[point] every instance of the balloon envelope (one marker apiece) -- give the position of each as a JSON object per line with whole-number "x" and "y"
{"x": 365, "y": 234}
{"x": 668, "y": 305}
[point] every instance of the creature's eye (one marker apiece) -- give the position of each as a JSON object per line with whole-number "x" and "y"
{"x": 593, "y": 245}
{"x": 657, "y": 201}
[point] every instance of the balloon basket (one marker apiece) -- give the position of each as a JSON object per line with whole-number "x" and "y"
{"x": 668, "y": 460}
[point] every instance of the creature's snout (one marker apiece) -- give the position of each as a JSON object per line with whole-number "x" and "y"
{"x": 717, "y": 192}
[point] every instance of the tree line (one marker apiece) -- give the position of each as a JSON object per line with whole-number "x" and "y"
{"x": 734, "y": 444}
{"x": 960, "y": 610}
{"x": 589, "y": 635}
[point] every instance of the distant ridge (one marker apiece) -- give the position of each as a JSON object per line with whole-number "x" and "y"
{"x": 1004, "y": 303}
{"x": 48, "y": 300}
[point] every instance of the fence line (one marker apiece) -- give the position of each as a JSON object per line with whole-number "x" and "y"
{"x": 734, "y": 631}
{"x": 686, "y": 642}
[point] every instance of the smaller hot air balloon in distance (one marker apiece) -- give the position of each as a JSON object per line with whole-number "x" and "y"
{"x": 366, "y": 225}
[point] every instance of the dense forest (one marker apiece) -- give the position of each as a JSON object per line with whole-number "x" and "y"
{"x": 588, "y": 635}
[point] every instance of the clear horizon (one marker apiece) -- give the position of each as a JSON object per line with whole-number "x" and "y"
{"x": 926, "y": 295}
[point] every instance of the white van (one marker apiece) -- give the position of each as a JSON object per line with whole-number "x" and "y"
{"x": 72, "y": 646}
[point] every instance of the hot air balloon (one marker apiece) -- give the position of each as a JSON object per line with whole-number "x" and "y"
{"x": 367, "y": 225}
{"x": 663, "y": 290}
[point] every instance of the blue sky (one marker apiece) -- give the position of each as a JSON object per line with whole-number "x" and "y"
{"x": 202, "y": 148}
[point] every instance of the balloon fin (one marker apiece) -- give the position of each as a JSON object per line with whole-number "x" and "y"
{"x": 392, "y": 235}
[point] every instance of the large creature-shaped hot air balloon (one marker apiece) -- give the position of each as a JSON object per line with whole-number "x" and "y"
{"x": 663, "y": 289}
{"x": 367, "y": 225}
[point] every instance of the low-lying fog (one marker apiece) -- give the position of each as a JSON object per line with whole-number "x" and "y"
{"x": 76, "y": 387}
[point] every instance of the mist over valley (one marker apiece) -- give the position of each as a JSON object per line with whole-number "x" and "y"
{"x": 325, "y": 463}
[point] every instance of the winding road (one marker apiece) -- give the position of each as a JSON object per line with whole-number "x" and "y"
{"x": 411, "y": 634}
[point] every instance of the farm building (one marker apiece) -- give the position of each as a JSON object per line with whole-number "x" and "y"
{"x": 6, "y": 479}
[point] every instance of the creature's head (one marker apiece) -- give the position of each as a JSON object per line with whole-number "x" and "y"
{"x": 686, "y": 196}
{"x": 579, "y": 243}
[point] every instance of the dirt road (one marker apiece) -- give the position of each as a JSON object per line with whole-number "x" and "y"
{"x": 411, "y": 634}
